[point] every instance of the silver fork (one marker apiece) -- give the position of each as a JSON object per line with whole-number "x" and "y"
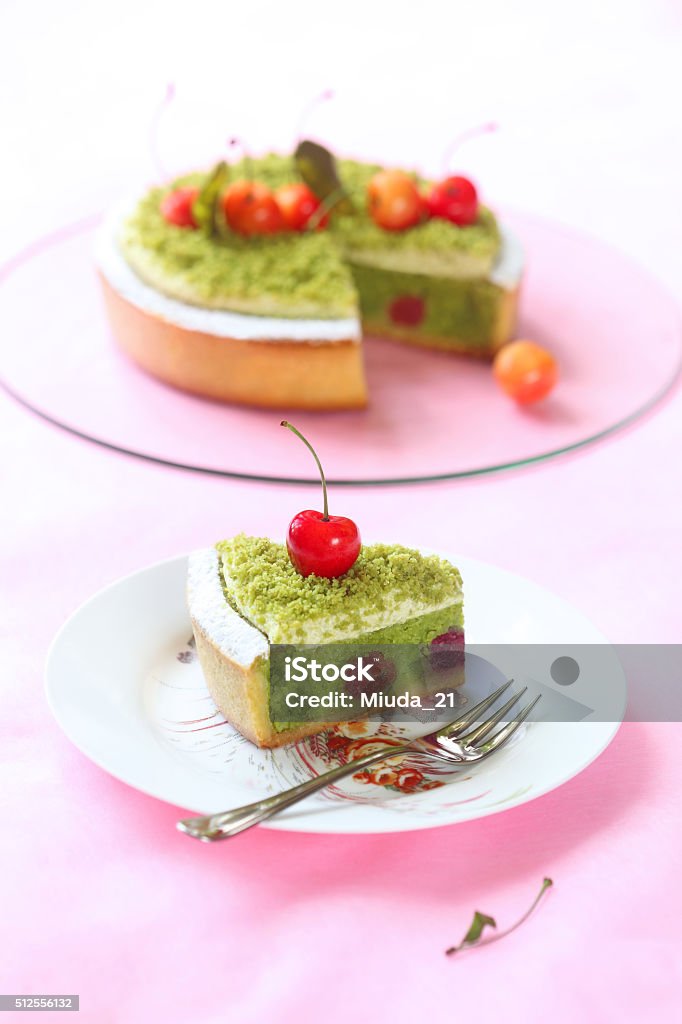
{"x": 458, "y": 743}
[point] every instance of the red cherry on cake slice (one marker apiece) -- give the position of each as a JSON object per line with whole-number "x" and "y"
{"x": 297, "y": 204}
{"x": 176, "y": 206}
{"x": 394, "y": 201}
{"x": 320, "y": 544}
{"x": 250, "y": 209}
{"x": 454, "y": 199}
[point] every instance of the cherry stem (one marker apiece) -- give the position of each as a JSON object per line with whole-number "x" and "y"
{"x": 547, "y": 883}
{"x": 154, "y": 125}
{"x": 292, "y": 428}
{"x": 246, "y": 156}
{"x": 322, "y": 97}
{"x": 470, "y": 133}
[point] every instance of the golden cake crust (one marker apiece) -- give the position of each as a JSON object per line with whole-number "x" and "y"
{"x": 272, "y": 374}
{"x": 240, "y": 694}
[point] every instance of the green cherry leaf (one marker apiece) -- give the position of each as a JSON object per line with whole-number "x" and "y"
{"x": 317, "y": 167}
{"x": 479, "y": 922}
{"x": 206, "y": 204}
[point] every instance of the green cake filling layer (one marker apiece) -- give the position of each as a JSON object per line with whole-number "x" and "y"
{"x": 298, "y": 274}
{"x": 410, "y": 635}
{"x": 262, "y": 585}
{"x": 418, "y": 630}
{"x": 465, "y": 311}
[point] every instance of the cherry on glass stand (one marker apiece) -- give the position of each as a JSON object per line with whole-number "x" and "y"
{"x": 525, "y": 371}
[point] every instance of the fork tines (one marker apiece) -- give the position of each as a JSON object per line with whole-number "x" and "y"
{"x": 472, "y": 738}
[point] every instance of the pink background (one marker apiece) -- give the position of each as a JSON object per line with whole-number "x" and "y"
{"x": 99, "y": 894}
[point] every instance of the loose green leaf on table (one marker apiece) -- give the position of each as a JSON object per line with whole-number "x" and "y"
{"x": 476, "y": 928}
{"x": 480, "y": 921}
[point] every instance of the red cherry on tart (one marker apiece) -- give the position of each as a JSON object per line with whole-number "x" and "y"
{"x": 394, "y": 201}
{"x": 176, "y": 207}
{"x": 525, "y": 371}
{"x": 250, "y": 209}
{"x": 297, "y": 204}
{"x": 320, "y": 544}
{"x": 454, "y": 199}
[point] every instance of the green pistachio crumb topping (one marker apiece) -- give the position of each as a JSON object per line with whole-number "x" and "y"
{"x": 263, "y": 585}
{"x": 294, "y": 274}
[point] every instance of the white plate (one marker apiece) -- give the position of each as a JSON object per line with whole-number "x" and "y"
{"x": 126, "y": 689}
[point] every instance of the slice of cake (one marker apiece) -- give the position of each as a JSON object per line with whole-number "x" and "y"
{"x": 244, "y": 594}
{"x": 438, "y": 284}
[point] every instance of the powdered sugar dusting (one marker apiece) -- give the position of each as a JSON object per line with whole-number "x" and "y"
{"x": 236, "y": 639}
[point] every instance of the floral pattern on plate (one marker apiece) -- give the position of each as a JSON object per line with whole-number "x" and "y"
{"x": 183, "y": 712}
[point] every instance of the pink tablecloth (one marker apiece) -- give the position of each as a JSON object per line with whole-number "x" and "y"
{"x": 99, "y": 894}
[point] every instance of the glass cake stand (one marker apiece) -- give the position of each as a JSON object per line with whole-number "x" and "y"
{"x": 614, "y": 330}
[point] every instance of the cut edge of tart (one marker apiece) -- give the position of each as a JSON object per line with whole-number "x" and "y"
{"x": 244, "y": 594}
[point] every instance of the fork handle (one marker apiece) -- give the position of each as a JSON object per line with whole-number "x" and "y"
{"x": 230, "y": 823}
